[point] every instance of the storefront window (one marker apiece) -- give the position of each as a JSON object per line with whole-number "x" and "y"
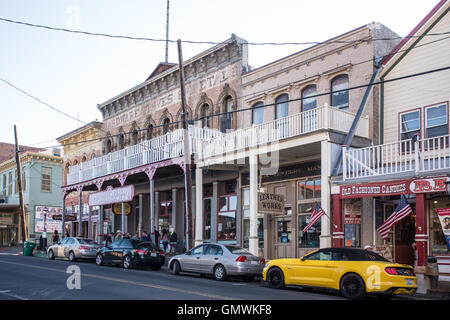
{"x": 352, "y": 222}
{"x": 284, "y": 231}
{"x": 437, "y": 237}
{"x": 226, "y": 219}
{"x": 309, "y": 189}
{"x": 165, "y": 215}
{"x": 310, "y": 238}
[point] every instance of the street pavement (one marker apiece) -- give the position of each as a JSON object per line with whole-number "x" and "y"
{"x": 37, "y": 278}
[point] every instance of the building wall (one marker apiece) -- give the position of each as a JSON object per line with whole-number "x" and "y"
{"x": 417, "y": 92}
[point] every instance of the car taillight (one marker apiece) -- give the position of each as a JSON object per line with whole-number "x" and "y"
{"x": 391, "y": 270}
{"x": 163, "y": 253}
{"x": 140, "y": 251}
{"x": 241, "y": 259}
{"x": 84, "y": 248}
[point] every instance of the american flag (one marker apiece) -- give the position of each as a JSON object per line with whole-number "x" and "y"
{"x": 316, "y": 214}
{"x": 403, "y": 209}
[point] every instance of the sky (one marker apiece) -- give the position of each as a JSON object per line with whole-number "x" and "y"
{"x": 73, "y": 73}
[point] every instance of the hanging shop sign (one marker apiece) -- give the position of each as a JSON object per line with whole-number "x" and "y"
{"x": 67, "y": 217}
{"x": 117, "y": 208}
{"x": 270, "y": 203}
{"x": 444, "y": 218}
{"x": 110, "y": 196}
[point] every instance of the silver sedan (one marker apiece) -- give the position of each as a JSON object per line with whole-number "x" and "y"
{"x": 219, "y": 261}
{"x": 73, "y": 249}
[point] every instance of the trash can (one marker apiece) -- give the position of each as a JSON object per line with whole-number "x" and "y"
{"x": 28, "y": 248}
{"x": 433, "y": 271}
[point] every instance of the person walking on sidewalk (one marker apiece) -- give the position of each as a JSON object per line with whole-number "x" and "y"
{"x": 173, "y": 241}
{"x": 156, "y": 235}
{"x": 165, "y": 239}
{"x": 55, "y": 237}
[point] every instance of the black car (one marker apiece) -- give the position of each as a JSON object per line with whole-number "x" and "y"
{"x": 130, "y": 253}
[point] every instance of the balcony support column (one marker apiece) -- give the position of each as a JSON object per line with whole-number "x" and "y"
{"x": 80, "y": 211}
{"x": 253, "y": 238}
{"x": 198, "y": 206}
{"x": 325, "y": 237}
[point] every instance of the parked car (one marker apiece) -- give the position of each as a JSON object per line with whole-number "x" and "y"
{"x": 218, "y": 260}
{"x": 130, "y": 253}
{"x": 354, "y": 272}
{"x": 73, "y": 248}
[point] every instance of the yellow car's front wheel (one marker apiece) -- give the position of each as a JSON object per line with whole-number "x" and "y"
{"x": 275, "y": 278}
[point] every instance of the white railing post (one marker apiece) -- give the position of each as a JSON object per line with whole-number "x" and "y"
{"x": 344, "y": 162}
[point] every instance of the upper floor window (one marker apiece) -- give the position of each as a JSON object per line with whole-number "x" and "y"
{"x": 108, "y": 146}
{"x": 121, "y": 141}
{"x": 134, "y": 137}
{"x": 282, "y": 106}
{"x": 436, "y": 120}
{"x": 258, "y": 113}
{"x": 46, "y": 179}
{"x": 339, "y": 94}
{"x": 150, "y": 131}
{"x": 226, "y": 119}
{"x": 309, "y": 101}
{"x": 409, "y": 124}
{"x": 166, "y": 125}
{"x": 205, "y": 115}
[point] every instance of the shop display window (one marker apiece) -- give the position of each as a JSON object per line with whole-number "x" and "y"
{"x": 226, "y": 219}
{"x": 437, "y": 238}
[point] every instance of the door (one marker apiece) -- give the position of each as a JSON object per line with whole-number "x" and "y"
{"x": 108, "y": 253}
{"x": 68, "y": 246}
{"x": 283, "y": 237}
{"x": 212, "y": 256}
{"x": 191, "y": 261}
{"x": 58, "y": 249}
{"x": 119, "y": 252}
{"x": 315, "y": 269}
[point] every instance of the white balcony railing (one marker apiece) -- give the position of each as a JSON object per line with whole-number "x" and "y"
{"x": 206, "y": 142}
{"x": 325, "y": 117}
{"x": 407, "y": 156}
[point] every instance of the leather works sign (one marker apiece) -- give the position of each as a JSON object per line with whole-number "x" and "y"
{"x": 270, "y": 203}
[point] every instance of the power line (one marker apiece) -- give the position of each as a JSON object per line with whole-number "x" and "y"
{"x": 107, "y": 35}
{"x": 274, "y": 104}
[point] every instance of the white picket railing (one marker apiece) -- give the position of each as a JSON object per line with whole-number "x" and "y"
{"x": 422, "y": 155}
{"x": 204, "y": 142}
{"x": 325, "y": 117}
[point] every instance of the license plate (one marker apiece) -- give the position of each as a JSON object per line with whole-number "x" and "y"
{"x": 409, "y": 282}
{"x": 153, "y": 254}
{"x": 254, "y": 262}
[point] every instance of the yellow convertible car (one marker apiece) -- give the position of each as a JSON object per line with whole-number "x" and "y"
{"x": 353, "y": 272}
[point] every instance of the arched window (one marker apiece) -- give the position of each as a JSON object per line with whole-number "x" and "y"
{"x": 83, "y": 159}
{"x": 121, "y": 141}
{"x": 282, "y": 106}
{"x": 134, "y": 137}
{"x": 108, "y": 146}
{"x": 226, "y": 119}
{"x": 339, "y": 92}
{"x": 150, "y": 131}
{"x": 166, "y": 125}
{"x": 258, "y": 113}
{"x": 309, "y": 101}
{"x": 205, "y": 115}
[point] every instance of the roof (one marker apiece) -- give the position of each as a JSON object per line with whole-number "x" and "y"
{"x": 162, "y": 66}
{"x": 7, "y": 150}
{"x": 419, "y": 29}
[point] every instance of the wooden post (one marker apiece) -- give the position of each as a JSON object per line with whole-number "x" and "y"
{"x": 187, "y": 153}
{"x": 19, "y": 184}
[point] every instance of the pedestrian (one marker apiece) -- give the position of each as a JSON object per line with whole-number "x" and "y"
{"x": 127, "y": 235}
{"x": 156, "y": 235}
{"x": 135, "y": 237}
{"x": 118, "y": 235}
{"x": 173, "y": 241}
{"x": 146, "y": 237}
{"x": 55, "y": 237}
{"x": 108, "y": 239}
{"x": 165, "y": 239}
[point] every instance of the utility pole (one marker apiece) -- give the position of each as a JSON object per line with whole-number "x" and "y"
{"x": 167, "y": 33}
{"x": 187, "y": 153}
{"x": 19, "y": 184}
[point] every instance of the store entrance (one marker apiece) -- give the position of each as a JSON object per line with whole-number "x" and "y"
{"x": 404, "y": 234}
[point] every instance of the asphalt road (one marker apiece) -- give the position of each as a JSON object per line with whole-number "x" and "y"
{"x": 33, "y": 278}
